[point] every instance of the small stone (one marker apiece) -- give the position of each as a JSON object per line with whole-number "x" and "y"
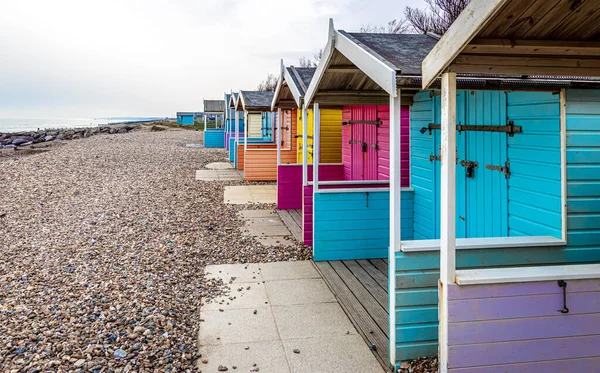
{"x": 79, "y": 363}
{"x": 120, "y": 354}
{"x": 255, "y": 312}
{"x": 222, "y": 368}
{"x": 296, "y": 351}
{"x": 204, "y": 361}
{"x": 247, "y": 348}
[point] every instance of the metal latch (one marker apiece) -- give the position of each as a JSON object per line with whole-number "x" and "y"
{"x": 505, "y": 170}
{"x": 563, "y": 284}
{"x": 375, "y": 146}
{"x": 469, "y": 167}
{"x": 434, "y": 158}
{"x": 351, "y": 142}
{"x": 364, "y": 146}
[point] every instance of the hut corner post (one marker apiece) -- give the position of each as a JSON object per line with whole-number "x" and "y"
{"x": 278, "y": 124}
{"x": 304, "y": 146}
{"x": 447, "y": 210}
{"x": 205, "y": 123}
{"x": 316, "y": 147}
{"x": 395, "y": 219}
{"x": 237, "y": 134}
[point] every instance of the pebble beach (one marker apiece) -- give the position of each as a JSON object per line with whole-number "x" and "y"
{"x": 103, "y": 241}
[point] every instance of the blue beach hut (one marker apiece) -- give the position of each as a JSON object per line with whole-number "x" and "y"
{"x": 516, "y": 183}
{"x": 232, "y": 119}
{"x": 214, "y": 137}
{"x": 186, "y": 117}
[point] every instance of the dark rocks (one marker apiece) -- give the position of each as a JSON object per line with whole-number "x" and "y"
{"x": 21, "y": 140}
{"x": 120, "y": 354}
{"x": 222, "y": 368}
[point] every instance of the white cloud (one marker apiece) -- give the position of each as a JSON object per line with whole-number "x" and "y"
{"x": 73, "y": 58}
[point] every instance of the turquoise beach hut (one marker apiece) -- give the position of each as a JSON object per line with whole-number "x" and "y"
{"x": 186, "y": 117}
{"x": 513, "y": 183}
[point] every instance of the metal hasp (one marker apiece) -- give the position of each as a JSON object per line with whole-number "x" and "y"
{"x": 563, "y": 284}
{"x": 434, "y": 158}
{"x": 469, "y": 167}
{"x": 377, "y": 122}
{"x": 510, "y": 128}
{"x": 365, "y": 146}
{"x": 505, "y": 170}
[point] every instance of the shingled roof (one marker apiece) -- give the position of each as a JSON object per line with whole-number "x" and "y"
{"x": 214, "y": 106}
{"x": 257, "y": 100}
{"x": 401, "y": 52}
{"x": 301, "y": 77}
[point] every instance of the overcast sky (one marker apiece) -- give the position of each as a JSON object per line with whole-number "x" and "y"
{"x": 84, "y": 58}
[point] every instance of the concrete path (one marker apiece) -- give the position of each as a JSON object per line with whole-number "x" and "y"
{"x": 219, "y": 166}
{"x": 240, "y": 195}
{"x": 218, "y": 175}
{"x": 266, "y": 226}
{"x": 280, "y": 318}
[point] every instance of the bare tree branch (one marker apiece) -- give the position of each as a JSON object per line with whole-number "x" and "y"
{"x": 392, "y": 27}
{"x": 437, "y": 17}
{"x": 269, "y": 84}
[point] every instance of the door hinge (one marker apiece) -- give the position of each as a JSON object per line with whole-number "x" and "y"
{"x": 510, "y": 128}
{"x": 434, "y": 158}
{"x": 375, "y": 146}
{"x": 351, "y": 142}
{"x": 505, "y": 170}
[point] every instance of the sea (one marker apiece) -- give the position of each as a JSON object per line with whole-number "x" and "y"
{"x": 33, "y": 124}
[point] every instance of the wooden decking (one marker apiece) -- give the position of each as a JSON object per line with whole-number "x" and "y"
{"x": 293, "y": 220}
{"x": 360, "y": 287}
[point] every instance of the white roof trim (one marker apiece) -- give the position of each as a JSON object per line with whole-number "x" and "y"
{"x": 327, "y": 53}
{"x": 240, "y": 101}
{"x": 464, "y": 29}
{"x": 293, "y": 88}
{"x": 379, "y": 71}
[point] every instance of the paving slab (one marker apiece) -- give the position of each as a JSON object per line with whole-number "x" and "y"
{"x": 248, "y": 214}
{"x": 243, "y": 273}
{"x": 312, "y": 320}
{"x": 242, "y": 194}
{"x": 242, "y": 296}
{"x": 237, "y": 326}
{"x": 326, "y": 339}
{"x": 219, "y": 166}
{"x": 266, "y": 226}
{"x": 298, "y": 291}
{"x": 218, "y": 175}
{"x": 289, "y": 270}
{"x": 275, "y": 240}
{"x": 269, "y": 357}
{"x": 331, "y": 354}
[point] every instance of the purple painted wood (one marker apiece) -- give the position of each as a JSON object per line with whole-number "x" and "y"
{"x": 534, "y": 328}
{"x": 518, "y": 328}
{"x": 289, "y": 187}
{"x": 518, "y": 307}
{"x": 511, "y": 290}
{"x": 557, "y": 366}
{"x": 523, "y": 351}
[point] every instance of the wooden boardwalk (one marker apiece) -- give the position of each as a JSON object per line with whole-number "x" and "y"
{"x": 360, "y": 287}
{"x": 293, "y": 220}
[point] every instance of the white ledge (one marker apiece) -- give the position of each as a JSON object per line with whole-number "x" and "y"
{"x": 527, "y": 274}
{"x": 483, "y": 243}
{"x": 360, "y": 190}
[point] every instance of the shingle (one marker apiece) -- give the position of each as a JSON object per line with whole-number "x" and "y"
{"x": 257, "y": 99}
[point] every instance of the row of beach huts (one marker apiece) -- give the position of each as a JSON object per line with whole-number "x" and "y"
{"x": 469, "y": 164}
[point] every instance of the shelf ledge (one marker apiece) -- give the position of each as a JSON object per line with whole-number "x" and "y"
{"x": 527, "y": 274}
{"x": 484, "y": 243}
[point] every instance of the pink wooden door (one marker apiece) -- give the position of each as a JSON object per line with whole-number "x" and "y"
{"x": 369, "y": 145}
{"x": 286, "y": 128}
{"x": 358, "y": 158}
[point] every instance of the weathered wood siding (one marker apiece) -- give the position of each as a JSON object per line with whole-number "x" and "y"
{"x": 417, "y": 277}
{"x": 356, "y": 225}
{"x": 517, "y": 328}
{"x": 213, "y": 138}
{"x": 583, "y": 173}
{"x": 261, "y": 165}
{"x": 331, "y": 136}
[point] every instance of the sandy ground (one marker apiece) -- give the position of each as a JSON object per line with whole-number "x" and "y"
{"x": 102, "y": 247}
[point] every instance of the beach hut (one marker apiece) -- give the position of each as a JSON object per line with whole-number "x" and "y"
{"x": 507, "y": 163}
{"x": 232, "y": 119}
{"x": 186, "y": 117}
{"x": 538, "y": 318}
{"x": 214, "y": 137}
{"x": 289, "y": 94}
{"x": 257, "y": 152}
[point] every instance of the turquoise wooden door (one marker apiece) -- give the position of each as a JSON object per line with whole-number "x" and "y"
{"x": 485, "y": 191}
{"x": 461, "y": 228}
